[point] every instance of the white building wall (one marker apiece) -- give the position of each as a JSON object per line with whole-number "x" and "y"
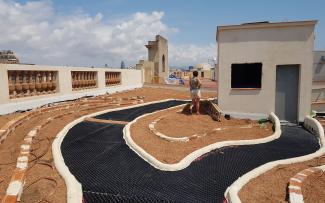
{"x": 270, "y": 46}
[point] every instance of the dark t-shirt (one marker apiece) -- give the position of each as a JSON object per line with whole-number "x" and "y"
{"x": 195, "y": 83}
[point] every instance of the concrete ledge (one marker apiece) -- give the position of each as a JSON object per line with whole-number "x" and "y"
{"x": 313, "y": 125}
{"x": 240, "y": 115}
{"x": 192, "y": 156}
{"x": 37, "y": 102}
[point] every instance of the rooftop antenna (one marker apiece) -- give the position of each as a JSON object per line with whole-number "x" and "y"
{"x": 212, "y": 61}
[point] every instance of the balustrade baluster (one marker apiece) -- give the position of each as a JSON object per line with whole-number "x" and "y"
{"x": 25, "y": 85}
{"x": 44, "y": 83}
{"x": 38, "y": 85}
{"x": 54, "y": 82}
{"x": 49, "y": 81}
{"x": 11, "y": 85}
{"x": 18, "y": 86}
{"x": 32, "y": 83}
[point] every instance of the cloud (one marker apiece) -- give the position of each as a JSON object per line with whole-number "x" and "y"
{"x": 190, "y": 54}
{"x": 40, "y": 35}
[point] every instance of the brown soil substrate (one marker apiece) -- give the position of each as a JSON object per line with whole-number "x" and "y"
{"x": 10, "y": 149}
{"x": 6, "y": 118}
{"x": 272, "y": 185}
{"x": 175, "y": 124}
{"x": 43, "y": 183}
{"x": 313, "y": 188}
{"x": 188, "y": 125}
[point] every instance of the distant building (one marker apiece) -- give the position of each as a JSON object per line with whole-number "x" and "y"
{"x": 122, "y": 65}
{"x": 205, "y": 70}
{"x": 156, "y": 68}
{"x": 8, "y": 57}
{"x": 180, "y": 73}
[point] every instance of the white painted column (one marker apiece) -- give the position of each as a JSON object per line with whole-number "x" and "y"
{"x": 65, "y": 80}
{"x": 101, "y": 78}
{"x": 4, "y": 90}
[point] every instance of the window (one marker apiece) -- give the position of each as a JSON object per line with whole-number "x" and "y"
{"x": 202, "y": 74}
{"x": 246, "y": 75}
{"x": 163, "y": 64}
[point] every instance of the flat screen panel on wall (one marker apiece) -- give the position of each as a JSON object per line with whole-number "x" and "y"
{"x": 246, "y": 75}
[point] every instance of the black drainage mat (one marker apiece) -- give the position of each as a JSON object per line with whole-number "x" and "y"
{"x": 132, "y": 113}
{"x": 110, "y": 171}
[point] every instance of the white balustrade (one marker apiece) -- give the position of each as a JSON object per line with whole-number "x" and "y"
{"x": 83, "y": 80}
{"x": 25, "y": 83}
{"x": 112, "y": 78}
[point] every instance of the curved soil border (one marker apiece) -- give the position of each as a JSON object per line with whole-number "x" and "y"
{"x": 312, "y": 125}
{"x": 185, "y": 162}
{"x": 74, "y": 189}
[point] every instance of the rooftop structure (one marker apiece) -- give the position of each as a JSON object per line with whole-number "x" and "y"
{"x": 267, "y": 67}
{"x": 203, "y": 66}
{"x": 8, "y": 57}
{"x": 156, "y": 67}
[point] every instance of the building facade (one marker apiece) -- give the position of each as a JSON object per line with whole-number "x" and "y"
{"x": 266, "y": 67}
{"x": 204, "y": 70}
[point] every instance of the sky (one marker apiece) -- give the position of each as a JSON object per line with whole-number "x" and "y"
{"x": 95, "y": 33}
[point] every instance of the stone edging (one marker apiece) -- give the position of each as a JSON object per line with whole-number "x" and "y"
{"x": 295, "y": 191}
{"x": 16, "y": 185}
{"x": 166, "y": 137}
{"x": 311, "y": 124}
{"x": 74, "y": 189}
{"x": 163, "y": 136}
{"x": 185, "y": 162}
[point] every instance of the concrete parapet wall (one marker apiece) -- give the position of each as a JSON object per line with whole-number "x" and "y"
{"x": 31, "y": 98}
